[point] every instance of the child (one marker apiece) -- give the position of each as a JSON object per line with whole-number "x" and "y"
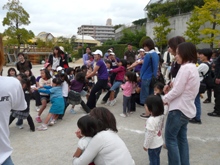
{"x": 127, "y": 91}
{"x": 57, "y": 101}
{"x": 153, "y": 135}
{"x": 87, "y": 128}
{"x": 25, "y": 82}
{"x": 12, "y": 72}
{"x": 158, "y": 90}
{"x": 44, "y": 97}
{"x": 70, "y": 73}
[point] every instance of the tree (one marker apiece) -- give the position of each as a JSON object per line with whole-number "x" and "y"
{"x": 67, "y": 43}
{"x": 192, "y": 32}
{"x": 208, "y": 15}
{"x": 161, "y": 31}
{"x": 132, "y": 36}
{"x": 16, "y": 17}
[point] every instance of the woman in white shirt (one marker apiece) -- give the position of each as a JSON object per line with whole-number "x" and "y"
{"x": 106, "y": 147}
{"x": 181, "y": 99}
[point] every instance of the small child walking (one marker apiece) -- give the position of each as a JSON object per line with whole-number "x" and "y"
{"x": 57, "y": 101}
{"x": 87, "y": 128}
{"x": 127, "y": 91}
{"x": 153, "y": 135}
{"x": 25, "y": 82}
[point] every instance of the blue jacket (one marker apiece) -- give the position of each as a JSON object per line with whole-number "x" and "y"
{"x": 146, "y": 71}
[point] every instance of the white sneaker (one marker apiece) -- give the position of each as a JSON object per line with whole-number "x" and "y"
{"x": 37, "y": 108}
{"x": 51, "y": 123}
{"x": 123, "y": 115}
{"x": 108, "y": 102}
{"x": 20, "y": 126}
{"x": 43, "y": 127}
{"x": 112, "y": 103}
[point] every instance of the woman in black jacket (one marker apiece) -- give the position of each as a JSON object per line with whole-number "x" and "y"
{"x": 55, "y": 59}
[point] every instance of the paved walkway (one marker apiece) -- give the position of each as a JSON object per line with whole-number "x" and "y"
{"x": 57, "y": 145}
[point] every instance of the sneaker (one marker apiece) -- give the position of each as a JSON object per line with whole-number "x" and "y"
{"x": 43, "y": 127}
{"x": 143, "y": 116}
{"x": 123, "y": 115}
{"x": 112, "y": 103}
{"x": 37, "y": 108}
{"x": 38, "y": 119}
{"x": 195, "y": 121}
{"x": 103, "y": 102}
{"x": 207, "y": 101}
{"x": 20, "y": 126}
{"x": 51, "y": 123}
{"x": 108, "y": 102}
{"x": 214, "y": 114}
{"x": 72, "y": 111}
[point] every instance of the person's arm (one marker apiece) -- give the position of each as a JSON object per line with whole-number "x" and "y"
{"x": 135, "y": 64}
{"x": 84, "y": 59}
{"x": 30, "y": 65}
{"x": 116, "y": 70}
{"x": 149, "y": 134}
{"x": 17, "y": 66}
{"x": 178, "y": 86}
{"x": 96, "y": 68}
{"x": 47, "y": 87}
{"x": 47, "y": 91}
{"x": 92, "y": 150}
{"x": 77, "y": 153}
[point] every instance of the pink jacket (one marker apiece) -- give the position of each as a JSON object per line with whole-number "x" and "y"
{"x": 120, "y": 73}
{"x": 185, "y": 88}
{"x": 127, "y": 88}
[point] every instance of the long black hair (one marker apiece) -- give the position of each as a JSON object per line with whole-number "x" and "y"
{"x": 155, "y": 105}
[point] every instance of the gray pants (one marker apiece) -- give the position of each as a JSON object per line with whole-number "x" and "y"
{"x": 126, "y": 104}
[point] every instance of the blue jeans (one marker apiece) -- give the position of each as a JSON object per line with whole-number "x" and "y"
{"x": 176, "y": 138}
{"x": 154, "y": 156}
{"x": 126, "y": 104}
{"x": 116, "y": 85}
{"x": 145, "y": 90}
{"x": 8, "y": 161}
{"x": 198, "y": 107}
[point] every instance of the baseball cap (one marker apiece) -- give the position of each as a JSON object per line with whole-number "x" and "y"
{"x": 59, "y": 68}
{"x": 98, "y": 52}
{"x": 141, "y": 50}
{"x": 112, "y": 53}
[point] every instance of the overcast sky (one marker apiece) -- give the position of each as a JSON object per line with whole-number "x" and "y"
{"x": 62, "y": 17}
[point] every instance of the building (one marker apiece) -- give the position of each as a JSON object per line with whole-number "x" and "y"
{"x": 98, "y": 32}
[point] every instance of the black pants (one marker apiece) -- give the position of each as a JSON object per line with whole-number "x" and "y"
{"x": 209, "y": 94}
{"x": 101, "y": 84}
{"x": 36, "y": 96}
{"x": 217, "y": 98}
{"x": 29, "y": 119}
{"x": 107, "y": 95}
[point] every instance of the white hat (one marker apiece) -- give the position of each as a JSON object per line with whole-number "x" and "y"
{"x": 61, "y": 48}
{"x": 112, "y": 53}
{"x": 98, "y": 52}
{"x": 141, "y": 50}
{"x": 59, "y": 68}
{"x": 109, "y": 50}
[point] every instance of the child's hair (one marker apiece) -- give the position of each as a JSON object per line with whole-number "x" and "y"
{"x": 69, "y": 70}
{"x": 30, "y": 72}
{"x": 57, "y": 81}
{"x": 47, "y": 73}
{"x": 124, "y": 63}
{"x": 64, "y": 77}
{"x": 77, "y": 70}
{"x": 80, "y": 77}
{"x": 155, "y": 105}
{"x": 87, "y": 125}
{"x": 84, "y": 68}
{"x": 12, "y": 69}
{"x": 159, "y": 86}
{"x": 25, "y": 81}
{"x": 131, "y": 76}
{"x": 109, "y": 62}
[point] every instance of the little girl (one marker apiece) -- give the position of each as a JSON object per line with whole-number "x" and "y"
{"x": 127, "y": 91}
{"x": 57, "y": 101}
{"x": 25, "y": 82}
{"x": 120, "y": 73}
{"x": 12, "y": 72}
{"x": 87, "y": 128}
{"x": 153, "y": 134}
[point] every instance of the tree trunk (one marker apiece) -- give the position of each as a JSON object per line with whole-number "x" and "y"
{"x": 18, "y": 37}
{"x": 212, "y": 35}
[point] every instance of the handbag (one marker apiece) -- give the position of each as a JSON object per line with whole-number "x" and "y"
{"x": 202, "y": 88}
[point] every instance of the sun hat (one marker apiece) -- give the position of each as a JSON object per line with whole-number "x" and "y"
{"x": 61, "y": 48}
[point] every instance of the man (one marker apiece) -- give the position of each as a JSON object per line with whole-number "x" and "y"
{"x": 216, "y": 112}
{"x": 167, "y": 58}
{"x": 11, "y": 97}
{"x": 108, "y": 53}
{"x": 23, "y": 64}
{"x": 86, "y": 60}
{"x": 129, "y": 55}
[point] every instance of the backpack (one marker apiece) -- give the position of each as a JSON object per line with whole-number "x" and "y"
{"x": 208, "y": 78}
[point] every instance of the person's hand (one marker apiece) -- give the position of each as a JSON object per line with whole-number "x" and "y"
{"x": 78, "y": 134}
{"x": 217, "y": 80}
{"x": 166, "y": 89}
{"x": 145, "y": 149}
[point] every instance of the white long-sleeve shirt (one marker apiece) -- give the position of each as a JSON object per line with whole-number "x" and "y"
{"x": 105, "y": 148}
{"x": 185, "y": 89}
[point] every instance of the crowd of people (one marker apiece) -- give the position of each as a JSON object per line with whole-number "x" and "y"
{"x": 176, "y": 98}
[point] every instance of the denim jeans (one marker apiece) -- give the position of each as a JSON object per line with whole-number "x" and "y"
{"x": 176, "y": 138}
{"x": 198, "y": 107}
{"x": 8, "y": 161}
{"x": 154, "y": 156}
{"x": 126, "y": 104}
{"x": 145, "y": 90}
